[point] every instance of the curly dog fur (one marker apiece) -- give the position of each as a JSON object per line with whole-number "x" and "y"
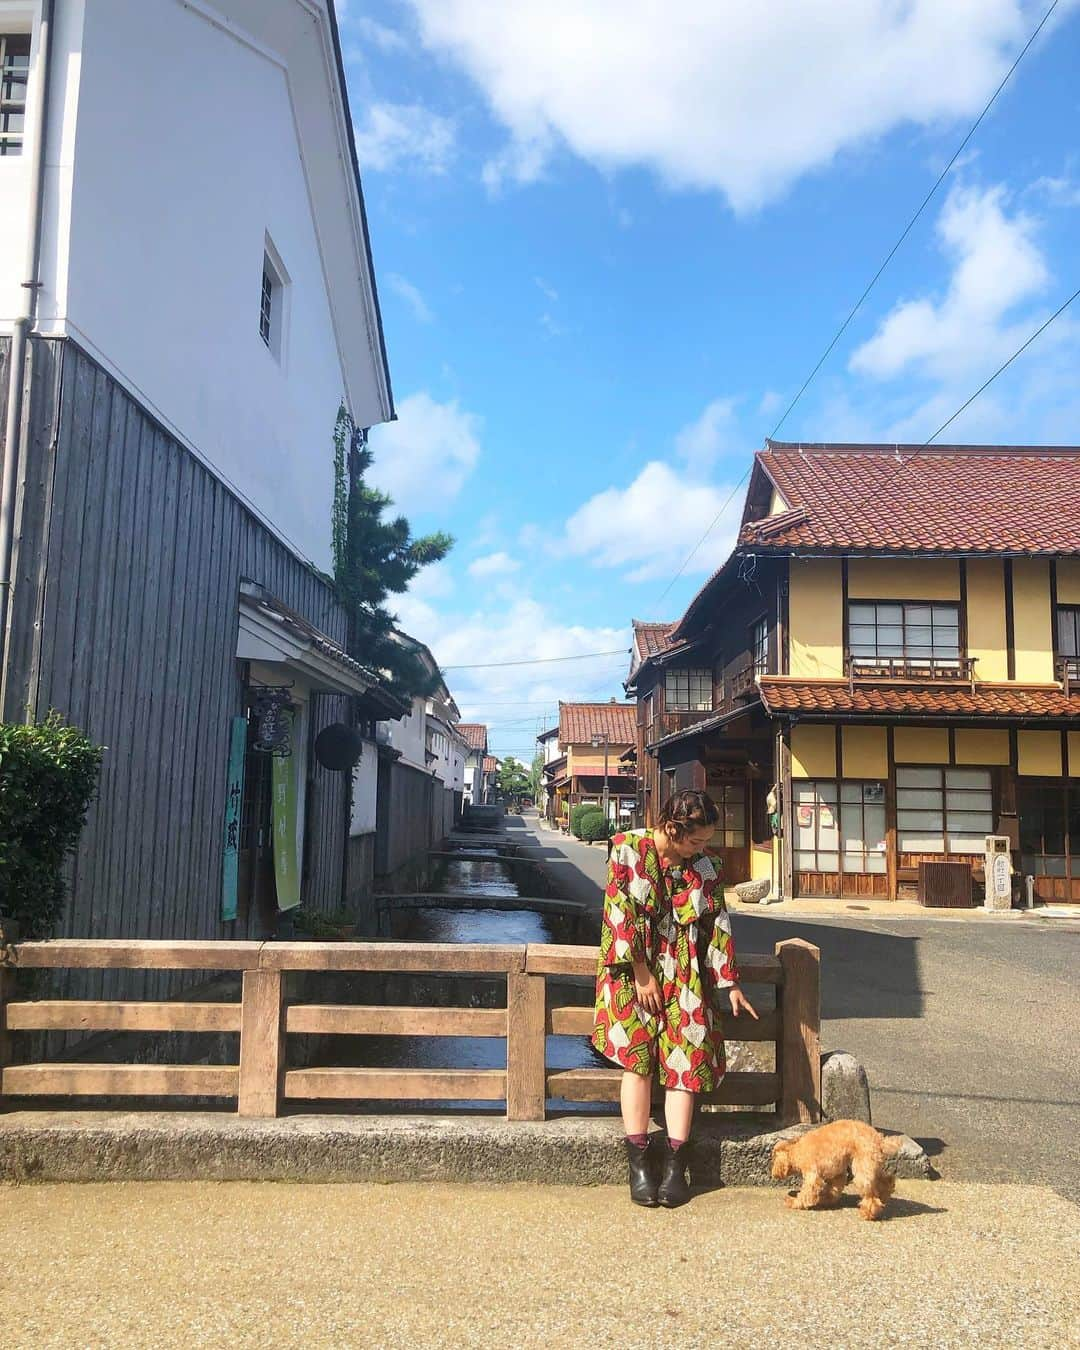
{"x": 828, "y": 1156}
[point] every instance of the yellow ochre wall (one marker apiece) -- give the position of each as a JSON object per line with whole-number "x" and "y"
{"x": 986, "y": 618}
{"x": 1068, "y": 581}
{"x": 865, "y": 752}
{"x": 903, "y": 579}
{"x": 921, "y": 745}
{"x": 1032, "y": 633}
{"x": 816, "y": 618}
{"x": 813, "y": 751}
{"x": 1039, "y": 753}
{"x": 981, "y": 747}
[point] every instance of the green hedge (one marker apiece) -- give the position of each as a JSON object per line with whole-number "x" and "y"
{"x": 594, "y": 825}
{"x": 48, "y": 777}
{"x": 576, "y": 812}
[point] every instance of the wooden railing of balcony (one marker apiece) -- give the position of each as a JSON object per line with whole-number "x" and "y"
{"x": 914, "y": 670}
{"x": 1068, "y": 672}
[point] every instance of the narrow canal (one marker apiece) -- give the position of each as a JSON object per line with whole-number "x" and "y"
{"x": 485, "y": 877}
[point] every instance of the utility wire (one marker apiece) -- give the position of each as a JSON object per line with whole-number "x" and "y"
{"x": 870, "y": 286}
{"x": 911, "y": 223}
{"x": 540, "y": 660}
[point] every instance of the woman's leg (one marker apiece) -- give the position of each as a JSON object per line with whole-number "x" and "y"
{"x": 634, "y": 1098}
{"x": 678, "y": 1113}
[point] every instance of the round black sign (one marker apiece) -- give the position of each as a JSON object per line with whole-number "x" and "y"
{"x": 338, "y": 746}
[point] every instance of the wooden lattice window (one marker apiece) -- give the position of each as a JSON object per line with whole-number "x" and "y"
{"x": 14, "y": 72}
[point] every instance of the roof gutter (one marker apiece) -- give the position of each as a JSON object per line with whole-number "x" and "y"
{"x": 21, "y": 329}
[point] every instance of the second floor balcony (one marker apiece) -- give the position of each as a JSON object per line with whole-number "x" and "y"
{"x": 911, "y": 669}
{"x": 1067, "y": 670}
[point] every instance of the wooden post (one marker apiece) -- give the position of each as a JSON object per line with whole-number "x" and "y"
{"x": 799, "y": 1046}
{"x": 262, "y": 1043}
{"x": 526, "y": 1046}
{"x": 7, "y": 979}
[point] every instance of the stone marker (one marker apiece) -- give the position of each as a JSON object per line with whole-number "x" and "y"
{"x": 845, "y": 1089}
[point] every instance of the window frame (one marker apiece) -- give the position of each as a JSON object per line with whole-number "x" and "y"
{"x": 702, "y": 676}
{"x": 945, "y": 809}
{"x": 1068, "y": 793}
{"x": 1071, "y": 612}
{"x": 798, "y": 851}
{"x": 12, "y": 142}
{"x": 758, "y": 639}
{"x": 908, "y": 653}
{"x": 274, "y": 303}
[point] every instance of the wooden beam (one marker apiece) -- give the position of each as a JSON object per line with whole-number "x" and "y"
{"x": 397, "y": 1084}
{"x": 93, "y": 1015}
{"x": 374, "y": 1020}
{"x": 579, "y": 1022}
{"x": 799, "y": 1046}
{"x": 121, "y": 1080}
{"x": 434, "y": 958}
{"x": 262, "y": 1044}
{"x": 602, "y": 1085}
{"x": 7, "y": 979}
{"x": 137, "y": 954}
{"x": 526, "y": 1061}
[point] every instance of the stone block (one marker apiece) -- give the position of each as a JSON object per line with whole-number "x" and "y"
{"x": 845, "y": 1089}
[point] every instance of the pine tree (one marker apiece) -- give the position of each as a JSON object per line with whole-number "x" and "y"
{"x": 374, "y": 559}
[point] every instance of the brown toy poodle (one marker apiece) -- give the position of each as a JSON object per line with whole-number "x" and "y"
{"x": 828, "y": 1156}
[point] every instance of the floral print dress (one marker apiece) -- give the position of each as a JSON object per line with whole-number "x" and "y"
{"x": 674, "y": 920}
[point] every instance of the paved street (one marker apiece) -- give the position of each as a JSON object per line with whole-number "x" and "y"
{"x": 969, "y": 1028}
{"x": 276, "y": 1265}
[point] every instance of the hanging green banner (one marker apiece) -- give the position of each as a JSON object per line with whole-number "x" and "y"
{"x": 286, "y": 870}
{"x": 234, "y": 798}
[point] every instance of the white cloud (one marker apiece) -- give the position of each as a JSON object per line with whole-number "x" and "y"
{"x": 739, "y": 98}
{"x": 1061, "y": 190}
{"x": 412, "y": 297}
{"x": 996, "y": 266}
{"x": 399, "y": 134}
{"x": 493, "y": 564}
{"x": 551, "y": 326}
{"x": 547, "y": 289}
{"x": 715, "y": 433}
{"x": 517, "y": 700}
{"x": 651, "y": 525}
{"x": 423, "y": 459}
{"x": 377, "y": 34}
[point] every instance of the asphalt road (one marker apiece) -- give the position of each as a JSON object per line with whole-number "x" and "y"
{"x": 969, "y": 1029}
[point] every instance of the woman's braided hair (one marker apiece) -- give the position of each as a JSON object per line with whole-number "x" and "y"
{"x": 686, "y": 811}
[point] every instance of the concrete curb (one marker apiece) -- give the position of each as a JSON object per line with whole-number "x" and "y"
{"x": 41, "y": 1146}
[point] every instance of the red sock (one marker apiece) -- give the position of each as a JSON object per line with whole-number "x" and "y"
{"x": 675, "y": 1143}
{"x": 638, "y": 1140}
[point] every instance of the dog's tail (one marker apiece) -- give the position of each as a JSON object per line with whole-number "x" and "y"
{"x": 892, "y": 1144}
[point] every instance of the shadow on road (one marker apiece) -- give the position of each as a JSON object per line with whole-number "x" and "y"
{"x": 863, "y": 974}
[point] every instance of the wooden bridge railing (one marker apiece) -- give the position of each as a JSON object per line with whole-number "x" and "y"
{"x": 262, "y": 1080}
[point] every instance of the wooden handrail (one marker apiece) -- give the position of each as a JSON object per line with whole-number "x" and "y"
{"x": 262, "y": 1080}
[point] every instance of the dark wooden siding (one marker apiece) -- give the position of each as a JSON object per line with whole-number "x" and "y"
{"x": 125, "y": 616}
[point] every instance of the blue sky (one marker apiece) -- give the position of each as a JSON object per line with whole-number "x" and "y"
{"x": 613, "y": 238}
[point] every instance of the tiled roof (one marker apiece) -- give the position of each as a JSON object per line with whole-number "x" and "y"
{"x": 580, "y": 722}
{"x": 941, "y": 499}
{"x": 781, "y": 695}
{"x": 475, "y": 734}
{"x": 491, "y": 764}
{"x": 650, "y": 639}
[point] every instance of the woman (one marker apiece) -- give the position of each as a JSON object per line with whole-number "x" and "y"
{"x": 665, "y": 954}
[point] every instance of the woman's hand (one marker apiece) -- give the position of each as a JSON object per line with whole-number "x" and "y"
{"x": 739, "y": 1001}
{"x": 647, "y": 990}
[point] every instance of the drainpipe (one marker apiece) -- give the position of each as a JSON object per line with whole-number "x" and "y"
{"x": 24, "y": 323}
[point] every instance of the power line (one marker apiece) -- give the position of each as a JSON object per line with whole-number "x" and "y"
{"x": 870, "y": 286}
{"x": 911, "y": 223}
{"x": 539, "y": 660}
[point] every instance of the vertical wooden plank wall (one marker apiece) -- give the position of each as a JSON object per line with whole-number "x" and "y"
{"x": 130, "y": 555}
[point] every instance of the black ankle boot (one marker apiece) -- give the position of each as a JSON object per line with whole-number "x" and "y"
{"x": 642, "y": 1175}
{"x": 673, "y": 1190}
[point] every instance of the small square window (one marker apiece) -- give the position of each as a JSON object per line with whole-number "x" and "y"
{"x": 14, "y": 69}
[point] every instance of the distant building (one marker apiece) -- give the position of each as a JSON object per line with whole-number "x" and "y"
{"x": 591, "y": 735}
{"x": 475, "y": 735}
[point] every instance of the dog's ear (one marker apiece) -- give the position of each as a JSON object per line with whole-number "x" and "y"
{"x": 781, "y": 1164}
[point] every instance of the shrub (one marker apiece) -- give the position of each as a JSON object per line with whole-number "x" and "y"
{"x": 595, "y": 825}
{"x": 576, "y": 813}
{"x": 48, "y": 777}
